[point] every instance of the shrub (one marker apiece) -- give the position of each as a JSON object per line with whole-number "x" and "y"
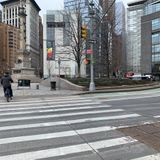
{"x": 105, "y": 82}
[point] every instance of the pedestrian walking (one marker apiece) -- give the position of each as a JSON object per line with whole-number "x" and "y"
{"x": 6, "y": 81}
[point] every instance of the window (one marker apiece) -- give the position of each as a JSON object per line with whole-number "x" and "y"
{"x": 156, "y": 24}
{"x": 152, "y": 8}
{"x": 55, "y": 24}
{"x": 156, "y": 38}
{"x": 156, "y": 48}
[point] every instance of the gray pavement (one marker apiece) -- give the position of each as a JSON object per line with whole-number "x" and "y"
{"x": 32, "y": 91}
{"x": 42, "y": 90}
{"x": 24, "y": 125}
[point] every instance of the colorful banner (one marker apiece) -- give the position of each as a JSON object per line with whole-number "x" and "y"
{"x": 50, "y": 52}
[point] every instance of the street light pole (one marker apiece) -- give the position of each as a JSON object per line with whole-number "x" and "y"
{"x": 92, "y": 84}
{"x": 59, "y": 68}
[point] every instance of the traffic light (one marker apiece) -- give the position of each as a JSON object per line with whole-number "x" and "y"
{"x": 86, "y": 61}
{"x": 84, "y": 32}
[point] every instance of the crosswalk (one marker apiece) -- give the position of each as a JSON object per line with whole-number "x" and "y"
{"x": 67, "y": 128}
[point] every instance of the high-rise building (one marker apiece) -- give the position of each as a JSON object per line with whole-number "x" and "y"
{"x": 0, "y": 16}
{"x": 108, "y": 37}
{"x": 134, "y": 13}
{"x": 40, "y": 67}
{"x": 87, "y": 8}
{"x": 11, "y": 11}
{"x": 9, "y": 44}
{"x": 143, "y": 29}
{"x": 58, "y": 57}
{"x": 119, "y": 46}
{"x": 83, "y": 5}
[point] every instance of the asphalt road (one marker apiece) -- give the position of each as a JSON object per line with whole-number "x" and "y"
{"x": 77, "y": 127}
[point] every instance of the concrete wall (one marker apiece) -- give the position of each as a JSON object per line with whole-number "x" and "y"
{"x": 62, "y": 84}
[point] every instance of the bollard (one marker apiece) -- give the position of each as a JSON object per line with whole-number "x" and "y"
{"x": 53, "y": 85}
{"x": 37, "y": 86}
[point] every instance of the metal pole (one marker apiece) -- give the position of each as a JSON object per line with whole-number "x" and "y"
{"x": 92, "y": 84}
{"x": 59, "y": 63}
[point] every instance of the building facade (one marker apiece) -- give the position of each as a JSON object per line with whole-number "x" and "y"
{"x": 151, "y": 38}
{"x": 87, "y": 8}
{"x": 144, "y": 43}
{"x": 108, "y": 36}
{"x": 0, "y": 16}
{"x": 83, "y": 5}
{"x": 9, "y": 44}
{"x": 119, "y": 41}
{"x": 40, "y": 70}
{"x": 10, "y": 15}
{"x": 58, "y": 57}
{"x": 134, "y": 14}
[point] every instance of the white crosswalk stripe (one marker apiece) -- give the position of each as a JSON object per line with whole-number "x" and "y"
{"x": 56, "y": 107}
{"x": 69, "y": 149}
{"x": 50, "y": 103}
{"x": 67, "y": 114}
{"x": 27, "y": 128}
{"x": 150, "y": 157}
{"x": 55, "y": 135}
{"x": 72, "y": 114}
{"x": 158, "y": 116}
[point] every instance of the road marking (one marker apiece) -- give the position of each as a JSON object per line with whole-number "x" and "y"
{"x": 69, "y": 149}
{"x": 150, "y": 157}
{"x": 48, "y": 103}
{"x": 124, "y": 98}
{"x": 102, "y": 118}
{"x": 56, "y": 123}
{"x": 24, "y": 101}
{"x": 158, "y": 116}
{"x": 81, "y": 120}
{"x": 49, "y": 106}
{"x": 55, "y": 135}
{"x": 55, "y": 108}
{"x": 61, "y": 115}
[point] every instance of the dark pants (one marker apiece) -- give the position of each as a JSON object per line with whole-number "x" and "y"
{"x": 10, "y": 88}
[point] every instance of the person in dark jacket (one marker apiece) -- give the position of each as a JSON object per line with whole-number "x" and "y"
{"x": 6, "y": 81}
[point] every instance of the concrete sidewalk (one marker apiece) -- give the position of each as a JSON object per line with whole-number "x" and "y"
{"x": 37, "y": 89}
{"x": 148, "y": 134}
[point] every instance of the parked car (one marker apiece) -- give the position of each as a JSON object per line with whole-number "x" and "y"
{"x": 129, "y": 74}
{"x": 140, "y": 77}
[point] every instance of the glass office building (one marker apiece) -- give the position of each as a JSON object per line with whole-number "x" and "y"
{"x": 85, "y": 8}
{"x": 0, "y": 16}
{"x": 83, "y": 5}
{"x": 134, "y": 38}
{"x": 143, "y": 53}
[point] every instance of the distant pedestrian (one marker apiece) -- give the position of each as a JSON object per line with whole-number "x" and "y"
{"x": 6, "y": 81}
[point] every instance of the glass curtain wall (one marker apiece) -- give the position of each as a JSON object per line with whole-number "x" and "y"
{"x": 152, "y": 7}
{"x": 134, "y": 40}
{"x": 156, "y": 45}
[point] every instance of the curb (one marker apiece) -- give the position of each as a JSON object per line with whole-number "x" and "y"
{"x": 124, "y": 89}
{"x": 98, "y": 90}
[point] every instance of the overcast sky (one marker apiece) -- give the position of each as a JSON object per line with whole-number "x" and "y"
{"x": 49, "y": 5}
{"x": 55, "y": 4}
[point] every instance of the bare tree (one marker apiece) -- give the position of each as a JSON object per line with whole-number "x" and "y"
{"x": 110, "y": 40}
{"x": 73, "y": 32}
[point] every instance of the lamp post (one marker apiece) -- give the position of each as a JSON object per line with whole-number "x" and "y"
{"x": 92, "y": 84}
{"x": 59, "y": 65}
